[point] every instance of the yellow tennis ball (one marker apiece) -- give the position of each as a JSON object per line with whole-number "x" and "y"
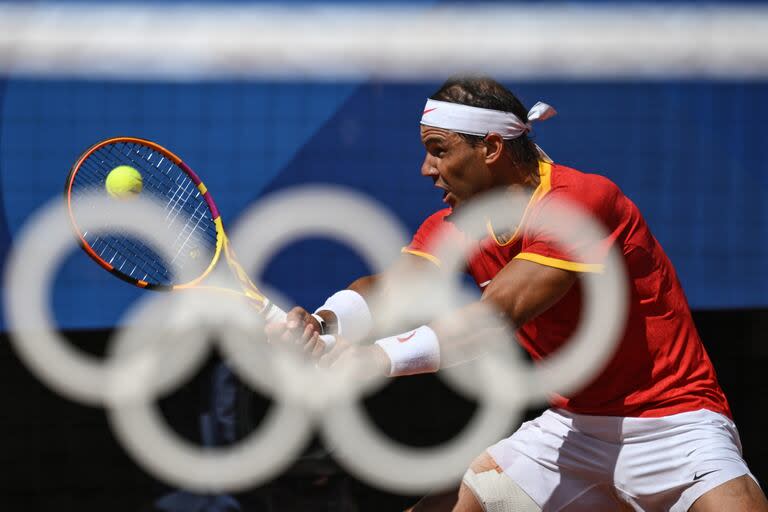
{"x": 124, "y": 182}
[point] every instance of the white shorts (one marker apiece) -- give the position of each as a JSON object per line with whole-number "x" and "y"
{"x": 567, "y": 461}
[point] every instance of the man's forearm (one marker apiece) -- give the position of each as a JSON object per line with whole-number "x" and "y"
{"x": 365, "y": 285}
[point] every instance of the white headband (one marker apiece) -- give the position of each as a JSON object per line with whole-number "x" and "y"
{"x": 481, "y": 121}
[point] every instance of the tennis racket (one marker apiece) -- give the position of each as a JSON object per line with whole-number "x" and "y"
{"x": 192, "y": 219}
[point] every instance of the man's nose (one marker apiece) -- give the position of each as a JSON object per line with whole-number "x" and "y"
{"x": 428, "y": 168}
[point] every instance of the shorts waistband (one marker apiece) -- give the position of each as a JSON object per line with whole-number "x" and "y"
{"x": 619, "y": 428}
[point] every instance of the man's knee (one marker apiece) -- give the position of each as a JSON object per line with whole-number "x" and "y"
{"x": 496, "y": 492}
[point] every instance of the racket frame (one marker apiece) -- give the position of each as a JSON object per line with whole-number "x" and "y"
{"x": 249, "y": 288}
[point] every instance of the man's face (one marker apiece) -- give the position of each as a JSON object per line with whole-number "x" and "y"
{"x": 456, "y": 167}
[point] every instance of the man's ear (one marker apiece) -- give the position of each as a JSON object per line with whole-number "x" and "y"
{"x": 494, "y": 148}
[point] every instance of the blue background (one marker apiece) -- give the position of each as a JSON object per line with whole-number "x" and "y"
{"x": 690, "y": 153}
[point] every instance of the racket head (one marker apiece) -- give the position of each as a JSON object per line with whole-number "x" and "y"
{"x": 192, "y": 218}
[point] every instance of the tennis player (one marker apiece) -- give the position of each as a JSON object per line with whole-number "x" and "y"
{"x": 653, "y": 431}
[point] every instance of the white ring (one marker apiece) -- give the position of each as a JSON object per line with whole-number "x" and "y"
{"x": 40, "y": 247}
{"x": 604, "y": 308}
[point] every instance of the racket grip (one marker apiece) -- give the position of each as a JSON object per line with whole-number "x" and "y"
{"x": 272, "y": 313}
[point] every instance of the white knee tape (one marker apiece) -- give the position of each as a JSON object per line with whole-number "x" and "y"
{"x": 496, "y": 492}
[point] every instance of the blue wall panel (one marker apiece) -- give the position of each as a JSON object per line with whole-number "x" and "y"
{"x": 691, "y": 154}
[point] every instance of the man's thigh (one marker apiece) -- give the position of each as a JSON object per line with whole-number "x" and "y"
{"x": 557, "y": 465}
{"x": 499, "y": 493}
{"x": 741, "y": 494}
{"x": 672, "y": 462}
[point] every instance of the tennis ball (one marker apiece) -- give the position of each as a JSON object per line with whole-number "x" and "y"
{"x": 123, "y": 182}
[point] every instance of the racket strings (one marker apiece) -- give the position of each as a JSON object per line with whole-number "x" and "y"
{"x": 127, "y": 255}
{"x": 189, "y": 229}
{"x": 187, "y": 214}
{"x": 184, "y": 201}
{"x": 193, "y": 221}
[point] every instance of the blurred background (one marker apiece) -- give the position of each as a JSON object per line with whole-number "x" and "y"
{"x": 669, "y": 100}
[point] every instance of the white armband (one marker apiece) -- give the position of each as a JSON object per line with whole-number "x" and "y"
{"x": 352, "y": 314}
{"x": 412, "y": 352}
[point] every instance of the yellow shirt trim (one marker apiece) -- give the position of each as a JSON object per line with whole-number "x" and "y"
{"x": 545, "y": 184}
{"x": 421, "y": 254}
{"x": 561, "y": 264}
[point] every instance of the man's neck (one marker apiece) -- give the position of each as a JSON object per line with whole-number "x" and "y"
{"x": 525, "y": 185}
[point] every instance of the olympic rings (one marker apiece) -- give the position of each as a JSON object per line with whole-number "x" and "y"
{"x": 144, "y": 362}
{"x": 262, "y": 455}
{"x": 38, "y": 251}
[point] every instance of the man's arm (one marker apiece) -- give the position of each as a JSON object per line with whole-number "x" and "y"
{"x": 406, "y": 264}
{"x": 301, "y": 327}
{"x": 523, "y": 289}
{"x": 520, "y": 291}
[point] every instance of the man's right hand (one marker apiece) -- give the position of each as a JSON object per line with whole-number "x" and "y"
{"x": 300, "y": 330}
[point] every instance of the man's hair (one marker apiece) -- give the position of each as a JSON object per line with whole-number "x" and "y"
{"x": 485, "y": 92}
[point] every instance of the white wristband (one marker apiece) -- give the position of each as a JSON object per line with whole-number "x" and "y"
{"x": 412, "y": 352}
{"x": 352, "y": 314}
